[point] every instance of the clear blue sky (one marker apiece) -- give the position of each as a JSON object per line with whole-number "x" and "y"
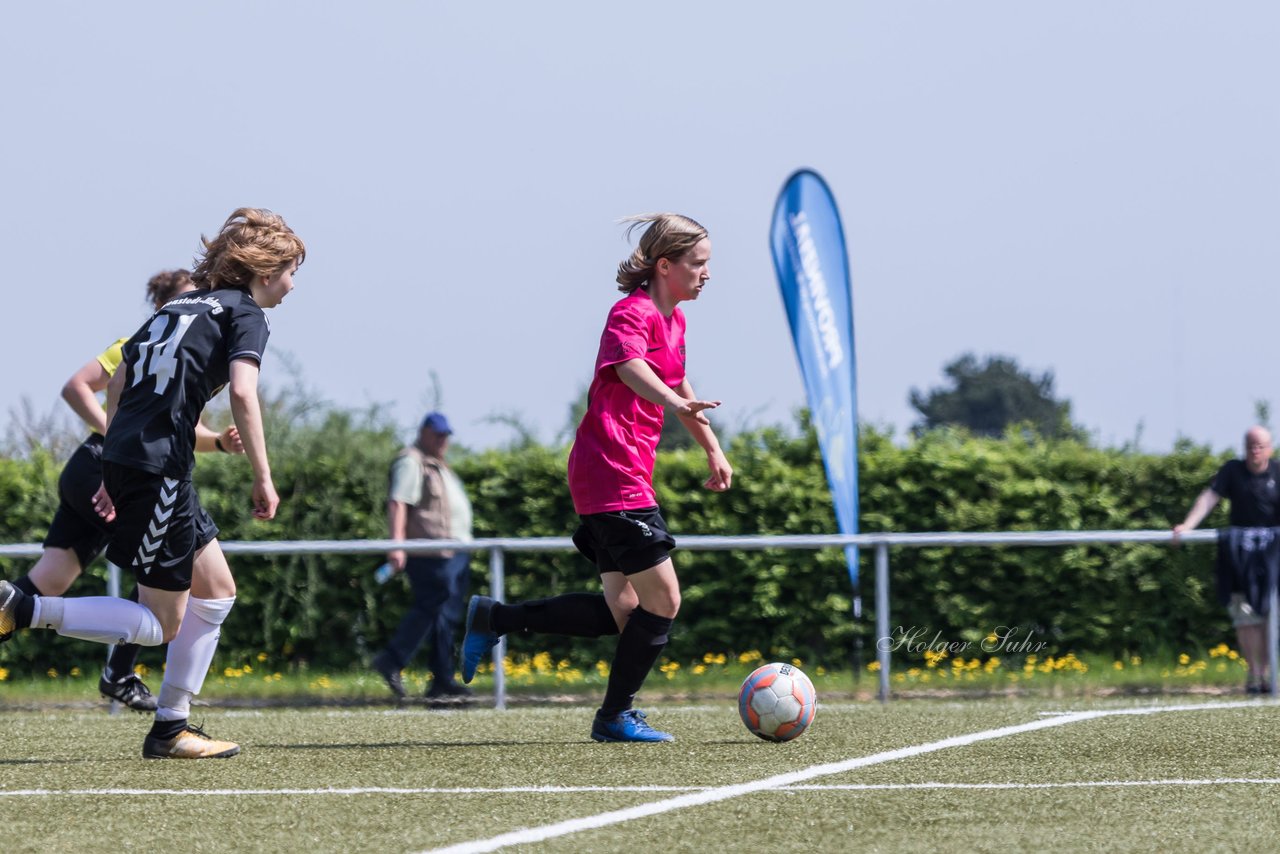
{"x": 1090, "y": 187}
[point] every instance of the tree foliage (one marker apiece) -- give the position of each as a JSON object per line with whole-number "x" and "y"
{"x": 988, "y": 396}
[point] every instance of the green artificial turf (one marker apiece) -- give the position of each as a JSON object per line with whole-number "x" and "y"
{"x": 480, "y": 764}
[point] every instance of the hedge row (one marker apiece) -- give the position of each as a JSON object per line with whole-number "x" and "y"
{"x": 331, "y": 473}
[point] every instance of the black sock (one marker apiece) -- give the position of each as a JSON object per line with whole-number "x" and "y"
{"x": 121, "y": 661}
{"x": 579, "y": 615}
{"x": 638, "y": 649}
{"x": 26, "y": 608}
{"x": 27, "y": 586}
{"x": 165, "y": 730}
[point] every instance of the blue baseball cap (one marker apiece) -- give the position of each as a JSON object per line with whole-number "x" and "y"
{"x": 437, "y": 422}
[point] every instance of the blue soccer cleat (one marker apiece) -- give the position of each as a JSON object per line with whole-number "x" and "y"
{"x": 628, "y": 726}
{"x": 480, "y": 636}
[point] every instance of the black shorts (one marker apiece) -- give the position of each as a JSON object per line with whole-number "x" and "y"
{"x": 159, "y": 526}
{"x": 627, "y": 541}
{"x": 76, "y": 525}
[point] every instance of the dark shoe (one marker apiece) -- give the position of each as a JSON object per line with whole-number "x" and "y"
{"x": 130, "y": 690}
{"x": 447, "y": 691}
{"x": 480, "y": 636}
{"x": 390, "y": 674}
{"x": 628, "y": 726}
{"x": 191, "y": 743}
{"x": 10, "y": 598}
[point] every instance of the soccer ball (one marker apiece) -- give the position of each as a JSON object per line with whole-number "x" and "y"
{"x": 777, "y": 702}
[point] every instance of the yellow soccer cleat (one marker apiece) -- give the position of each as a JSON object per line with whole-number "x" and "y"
{"x": 10, "y": 597}
{"x": 191, "y": 743}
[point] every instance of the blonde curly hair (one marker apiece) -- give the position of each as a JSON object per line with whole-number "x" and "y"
{"x": 252, "y": 242}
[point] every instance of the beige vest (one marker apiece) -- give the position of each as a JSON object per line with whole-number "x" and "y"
{"x": 429, "y": 518}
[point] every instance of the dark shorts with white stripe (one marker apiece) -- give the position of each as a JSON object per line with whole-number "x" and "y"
{"x": 628, "y": 541}
{"x": 159, "y": 526}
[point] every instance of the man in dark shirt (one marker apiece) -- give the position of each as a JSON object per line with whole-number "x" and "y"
{"x": 1252, "y": 485}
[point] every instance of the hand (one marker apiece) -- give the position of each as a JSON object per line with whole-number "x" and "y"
{"x": 1178, "y": 530}
{"x": 103, "y": 505}
{"x": 265, "y": 500}
{"x": 397, "y": 559}
{"x": 693, "y": 409}
{"x": 230, "y": 440}
{"x": 721, "y": 472}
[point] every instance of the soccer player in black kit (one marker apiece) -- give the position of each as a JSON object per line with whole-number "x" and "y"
{"x": 173, "y": 366}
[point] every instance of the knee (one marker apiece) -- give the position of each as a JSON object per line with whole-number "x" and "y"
{"x": 665, "y": 604}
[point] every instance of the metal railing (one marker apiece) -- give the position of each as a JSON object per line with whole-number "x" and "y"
{"x": 881, "y": 543}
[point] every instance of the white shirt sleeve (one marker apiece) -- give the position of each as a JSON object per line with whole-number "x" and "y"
{"x": 406, "y": 481}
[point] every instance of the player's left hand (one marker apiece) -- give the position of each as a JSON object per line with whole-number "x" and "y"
{"x": 721, "y": 472}
{"x": 230, "y": 439}
{"x": 103, "y": 505}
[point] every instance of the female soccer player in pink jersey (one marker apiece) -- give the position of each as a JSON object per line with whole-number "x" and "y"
{"x": 640, "y": 371}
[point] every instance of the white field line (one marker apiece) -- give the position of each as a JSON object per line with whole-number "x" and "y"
{"x": 570, "y": 790}
{"x": 525, "y": 836}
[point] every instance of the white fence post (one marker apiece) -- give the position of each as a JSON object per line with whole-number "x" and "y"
{"x": 497, "y": 580}
{"x": 882, "y": 618}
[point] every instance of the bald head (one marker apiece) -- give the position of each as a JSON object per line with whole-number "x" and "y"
{"x": 1257, "y": 449}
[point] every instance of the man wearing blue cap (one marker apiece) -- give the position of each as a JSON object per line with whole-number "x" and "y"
{"x": 426, "y": 501}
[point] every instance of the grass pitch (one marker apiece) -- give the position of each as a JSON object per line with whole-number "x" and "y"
{"x": 1165, "y": 775}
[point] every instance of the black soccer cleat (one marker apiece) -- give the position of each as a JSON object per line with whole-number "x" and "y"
{"x": 130, "y": 690}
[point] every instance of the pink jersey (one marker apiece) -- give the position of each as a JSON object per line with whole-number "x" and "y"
{"x": 611, "y": 464}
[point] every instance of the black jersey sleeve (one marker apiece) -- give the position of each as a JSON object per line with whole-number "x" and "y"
{"x": 247, "y": 332}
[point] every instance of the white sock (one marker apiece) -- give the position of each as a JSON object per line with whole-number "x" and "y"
{"x": 104, "y": 619}
{"x": 190, "y": 655}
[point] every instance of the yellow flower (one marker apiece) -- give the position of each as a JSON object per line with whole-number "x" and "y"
{"x": 51, "y": 673}
{"x": 141, "y": 669}
{"x": 874, "y": 667}
{"x": 262, "y": 656}
{"x": 669, "y": 669}
{"x": 1117, "y": 665}
{"x": 699, "y": 669}
{"x": 75, "y": 671}
{"x": 748, "y": 657}
{"x": 1184, "y": 659}
{"x": 4, "y": 674}
{"x": 602, "y": 668}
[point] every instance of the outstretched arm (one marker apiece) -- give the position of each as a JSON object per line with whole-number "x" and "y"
{"x": 640, "y": 378}
{"x": 1205, "y": 502}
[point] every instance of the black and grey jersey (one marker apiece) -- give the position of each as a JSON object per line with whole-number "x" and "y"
{"x": 173, "y": 365}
